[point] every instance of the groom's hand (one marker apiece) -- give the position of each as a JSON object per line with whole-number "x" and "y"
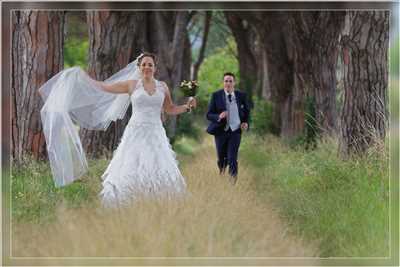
{"x": 244, "y": 126}
{"x": 222, "y": 115}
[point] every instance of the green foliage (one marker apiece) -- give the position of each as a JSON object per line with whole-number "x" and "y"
{"x": 218, "y": 34}
{"x": 394, "y": 99}
{"x": 394, "y": 57}
{"x": 76, "y": 53}
{"x": 342, "y": 205}
{"x": 76, "y": 46}
{"x": 211, "y": 71}
{"x": 187, "y": 127}
{"x": 261, "y": 117}
{"x": 185, "y": 146}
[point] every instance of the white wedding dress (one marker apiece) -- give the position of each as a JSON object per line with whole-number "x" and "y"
{"x": 143, "y": 163}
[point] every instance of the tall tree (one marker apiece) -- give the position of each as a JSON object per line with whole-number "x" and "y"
{"x": 245, "y": 38}
{"x": 365, "y": 51}
{"x": 323, "y": 31}
{"x": 300, "y": 51}
{"x": 37, "y": 54}
{"x": 170, "y": 40}
{"x": 115, "y": 39}
{"x": 313, "y": 48}
{"x": 278, "y": 71}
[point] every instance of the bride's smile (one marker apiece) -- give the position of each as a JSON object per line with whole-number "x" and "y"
{"x": 147, "y": 68}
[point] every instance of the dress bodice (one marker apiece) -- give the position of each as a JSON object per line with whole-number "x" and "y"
{"x": 144, "y": 164}
{"x": 146, "y": 108}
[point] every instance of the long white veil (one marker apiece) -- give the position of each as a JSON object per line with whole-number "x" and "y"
{"x": 72, "y": 100}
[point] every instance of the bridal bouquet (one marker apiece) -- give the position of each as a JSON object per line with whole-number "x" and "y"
{"x": 189, "y": 88}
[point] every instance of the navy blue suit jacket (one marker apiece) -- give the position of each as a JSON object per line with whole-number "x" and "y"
{"x": 218, "y": 105}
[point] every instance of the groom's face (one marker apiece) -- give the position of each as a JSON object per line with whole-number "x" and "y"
{"x": 229, "y": 83}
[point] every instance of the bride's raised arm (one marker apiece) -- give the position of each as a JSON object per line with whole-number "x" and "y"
{"x": 124, "y": 87}
{"x": 170, "y": 107}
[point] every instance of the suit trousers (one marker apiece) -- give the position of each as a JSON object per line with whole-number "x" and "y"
{"x": 227, "y": 145}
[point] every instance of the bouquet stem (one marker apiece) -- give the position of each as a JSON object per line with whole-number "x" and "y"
{"x": 190, "y": 106}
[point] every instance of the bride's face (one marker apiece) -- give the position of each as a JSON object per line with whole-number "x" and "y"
{"x": 147, "y": 67}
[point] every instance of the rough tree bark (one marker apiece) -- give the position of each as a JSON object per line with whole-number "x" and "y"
{"x": 115, "y": 39}
{"x": 37, "y": 55}
{"x": 293, "y": 115}
{"x": 245, "y": 37}
{"x": 365, "y": 55}
{"x": 313, "y": 49}
{"x": 288, "y": 114}
{"x": 326, "y": 27}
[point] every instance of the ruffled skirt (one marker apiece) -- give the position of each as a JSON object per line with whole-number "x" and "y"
{"x": 143, "y": 165}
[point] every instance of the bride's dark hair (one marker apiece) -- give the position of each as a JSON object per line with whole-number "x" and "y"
{"x": 147, "y": 54}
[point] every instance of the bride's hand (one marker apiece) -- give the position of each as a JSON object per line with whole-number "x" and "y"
{"x": 192, "y": 103}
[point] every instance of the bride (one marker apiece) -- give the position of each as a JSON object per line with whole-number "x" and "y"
{"x": 143, "y": 163}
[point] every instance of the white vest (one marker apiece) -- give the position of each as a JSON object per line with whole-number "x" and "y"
{"x": 233, "y": 113}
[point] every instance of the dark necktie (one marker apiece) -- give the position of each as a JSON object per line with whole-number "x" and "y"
{"x": 230, "y": 97}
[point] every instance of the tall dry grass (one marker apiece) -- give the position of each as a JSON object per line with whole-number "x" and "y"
{"x": 344, "y": 204}
{"x": 215, "y": 219}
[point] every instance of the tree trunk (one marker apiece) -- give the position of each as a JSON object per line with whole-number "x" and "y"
{"x": 278, "y": 77}
{"x": 266, "y": 90}
{"x": 313, "y": 48}
{"x": 287, "y": 102}
{"x": 365, "y": 56}
{"x": 173, "y": 47}
{"x": 327, "y": 27}
{"x": 245, "y": 40}
{"x": 293, "y": 114}
{"x": 37, "y": 55}
{"x": 115, "y": 39}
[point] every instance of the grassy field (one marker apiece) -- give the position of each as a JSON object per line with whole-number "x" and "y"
{"x": 215, "y": 219}
{"x": 288, "y": 202}
{"x": 342, "y": 204}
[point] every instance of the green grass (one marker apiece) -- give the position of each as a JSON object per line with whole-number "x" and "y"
{"x": 185, "y": 146}
{"x": 394, "y": 99}
{"x": 35, "y": 197}
{"x": 343, "y": 205}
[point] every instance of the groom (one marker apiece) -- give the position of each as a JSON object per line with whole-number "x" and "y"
{"x": 228, "y": 113}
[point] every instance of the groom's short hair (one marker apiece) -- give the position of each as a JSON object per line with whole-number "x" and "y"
{"x": 229, "y": 74}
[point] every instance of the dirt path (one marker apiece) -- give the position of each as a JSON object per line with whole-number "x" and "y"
{"x": 275, "y": 237}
